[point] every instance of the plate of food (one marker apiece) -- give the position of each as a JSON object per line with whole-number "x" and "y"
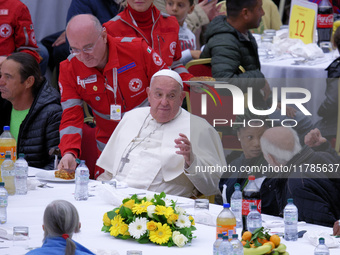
{"x": 56, "y": 176}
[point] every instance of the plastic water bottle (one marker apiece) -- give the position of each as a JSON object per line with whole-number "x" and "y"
{"x": 3, "y": 203}
{"x": 226, "y": 221}
{"x": 236, "y": 204}
{"x": 21, "y": 172}
{"x": 225, "y": 247}
{"x": 217, "y": 243}
{"x": 254, "y": 219}
{"x": 8, "y": 173}
{"x": 290, "y": 215}
{"x": 7, "y": 143}
{"x": 237, "y": 245}
{"x": 321, "y": 249}
{"x": 82, "y": 180}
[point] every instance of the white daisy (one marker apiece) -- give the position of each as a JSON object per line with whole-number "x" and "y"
{"x": 138, "y": 228}
{"x": 151, "y": 210}
{"x": 183, "y": 222}
{"x": 179, "y": 210}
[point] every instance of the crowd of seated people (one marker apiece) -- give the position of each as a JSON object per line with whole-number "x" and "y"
{"x": 108, "y": 62}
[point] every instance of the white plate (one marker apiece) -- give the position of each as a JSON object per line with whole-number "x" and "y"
{"x": 49, "y": 176}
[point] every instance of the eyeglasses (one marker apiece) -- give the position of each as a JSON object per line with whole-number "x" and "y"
{"x": 88, "y": 49}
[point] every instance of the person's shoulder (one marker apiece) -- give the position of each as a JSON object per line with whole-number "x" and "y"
{"x": 334, "y": 68}
{"x": 140, "y": 111}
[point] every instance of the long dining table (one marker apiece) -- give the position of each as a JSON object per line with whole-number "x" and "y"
{"x": 27, "y": 210}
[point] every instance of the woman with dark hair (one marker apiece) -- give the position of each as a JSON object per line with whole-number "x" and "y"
{"x": 61, "y": 221}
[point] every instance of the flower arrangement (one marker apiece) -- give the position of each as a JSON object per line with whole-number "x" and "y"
{"x": 150, "y": 219}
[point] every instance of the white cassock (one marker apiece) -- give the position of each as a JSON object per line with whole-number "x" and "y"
{"x": 153, "y": 162}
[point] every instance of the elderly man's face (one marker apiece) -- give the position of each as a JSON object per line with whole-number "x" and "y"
{"x": 165, "y": 97}
{"x": 11, "y": 86}
{"x": 90, "y": 45}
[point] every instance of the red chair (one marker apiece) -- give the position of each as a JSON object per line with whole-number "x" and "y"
{"x": 199, "y": 67}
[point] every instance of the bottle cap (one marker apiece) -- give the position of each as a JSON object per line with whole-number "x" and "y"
{"x": 321, "y": 240}
{"x": 225, "y": 237}
{"x": 21, "y": 155}
{"x": 237, "y": 186}
{"x": 235, "y": 236}
{"x": 253, "y": 207}
{"x": 6, "y": 128}
{"x": 8, "y": 155}
{"x": 290, "y": 200}
{"x": 220, "y": 235}
{"x": 251, "y": 177}
{"x": 2, "y": 184}
{"x": 226, "y": 205}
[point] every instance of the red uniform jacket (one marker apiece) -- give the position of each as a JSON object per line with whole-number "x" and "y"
{"x": 16, "y": 29}
{"x": 134, "y": 63}
{"x": 164, "y": 37}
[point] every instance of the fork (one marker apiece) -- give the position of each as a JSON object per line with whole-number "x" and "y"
{"x": 44, "y": 185}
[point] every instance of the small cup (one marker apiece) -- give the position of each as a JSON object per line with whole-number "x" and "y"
{"x": 20, "y": 236}
{"x": 326, "y": 47}
{"x": 201, "y": 204}
{"x": 134, "y": 253}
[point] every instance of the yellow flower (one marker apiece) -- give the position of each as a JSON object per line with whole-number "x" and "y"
{"x": 141, "y": 208}
{"x": 151, "y": 225}
{"x": 162, "y": 210}
{"x": 192, "y": 220}
{"x": 106, "y": 220}
{"x": 123, "y": 229}
{"x": 117, "y": 211}
{"x": 116, "y": 223}
{"x": 172, "y": 218}
{"x": 129, "y": 204}
{"x": 161, "y": 235}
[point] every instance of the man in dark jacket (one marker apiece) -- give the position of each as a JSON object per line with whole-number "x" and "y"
{"x": 234, "y": 57}
{"x": 308, "y": 183}
{"x": 31, "y": 107}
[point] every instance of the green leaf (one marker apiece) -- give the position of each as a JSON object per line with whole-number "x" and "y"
{"x": 112, "y": 214}
{"x": 143, "y": 239}
{"x": 257, "y": 243}
{"x": 106, "y": 228}
{"x": 125, "y": 212}
{"x": 247, "y": 245}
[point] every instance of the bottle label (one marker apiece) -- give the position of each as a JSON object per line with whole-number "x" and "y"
{"x": 226, "y": 229}
{"x": 325, "y": 20}
{"x": 246, "y": 204}
{"x": 12, "y": 149}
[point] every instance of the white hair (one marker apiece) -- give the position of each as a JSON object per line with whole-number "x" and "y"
{"x": 282, "y": 156}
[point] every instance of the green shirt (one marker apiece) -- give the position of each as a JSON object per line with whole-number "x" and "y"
{"x": 17, "y": 117}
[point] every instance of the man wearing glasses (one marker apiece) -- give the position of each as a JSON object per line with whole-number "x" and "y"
{"x": 109, "y": 74}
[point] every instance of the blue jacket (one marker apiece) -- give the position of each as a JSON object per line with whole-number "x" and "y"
{"x": 56, "y": 246}
{"x": 104, "y": 10}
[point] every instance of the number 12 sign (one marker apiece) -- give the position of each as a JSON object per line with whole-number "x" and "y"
{"x": 302, "y": 22}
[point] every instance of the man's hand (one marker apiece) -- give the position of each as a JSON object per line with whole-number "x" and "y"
{"x": 184, "y": 146}
{"x": 195, "y": 54}
{"x": 336, "y": 228}
{"x": 314, "y": 138}
{"x": 209, "y": 8}
{"x": 67, "y": 162}
{"x": 60, "y": 40}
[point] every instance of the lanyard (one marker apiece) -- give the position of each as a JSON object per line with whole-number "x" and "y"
{"x": 115, "y": 84}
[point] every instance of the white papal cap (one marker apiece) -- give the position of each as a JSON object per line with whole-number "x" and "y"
{"x": 169, "y": 73}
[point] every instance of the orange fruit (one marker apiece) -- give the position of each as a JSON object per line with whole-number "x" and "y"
{"x": 246, "y": 236}
{"x": 252, "y": 245}
{"x": 243, "y": 243}
{"x": 275, "y": 239}
{"x": 270, "y": 243}
{"x": 262, "y": 240}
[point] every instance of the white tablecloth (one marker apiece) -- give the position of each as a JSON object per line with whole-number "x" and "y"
{"x": 28, "y": 211}
{"x": 282, "y": 73}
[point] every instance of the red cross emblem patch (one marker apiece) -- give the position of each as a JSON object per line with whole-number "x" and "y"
{"x": 135, "y": 84}
{"x": 5, "y": 30}
{"x": 157, "y": 59}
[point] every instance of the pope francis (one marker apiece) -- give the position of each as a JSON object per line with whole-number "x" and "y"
{"x": 163, "y": 147}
